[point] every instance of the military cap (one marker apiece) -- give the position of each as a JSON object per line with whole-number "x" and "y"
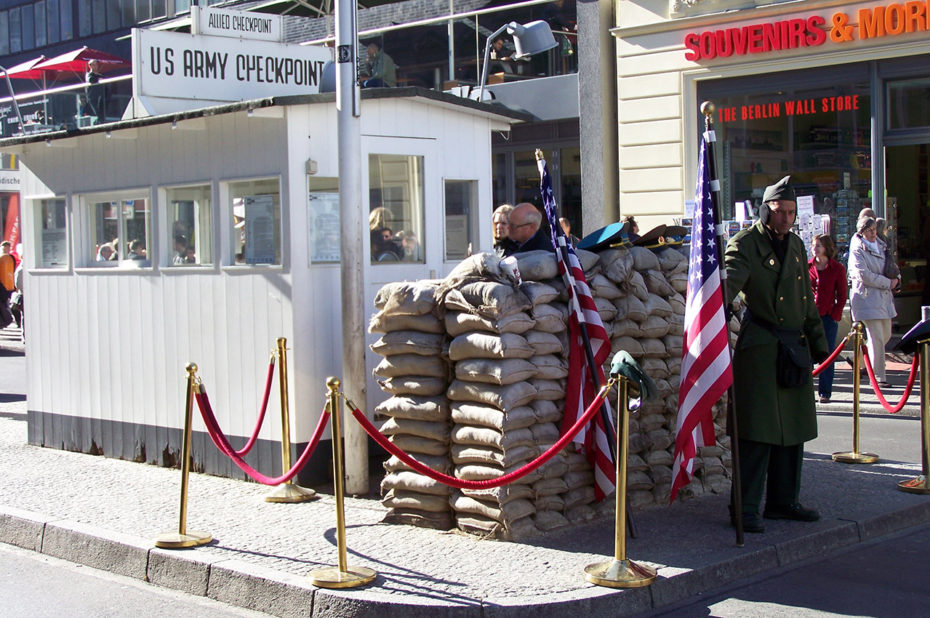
{"x": 781, "y": 190}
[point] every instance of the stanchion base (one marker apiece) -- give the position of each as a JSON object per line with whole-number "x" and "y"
{"x": 176, "y": 540}
{"x": 352, "y": 577}
{"x": 619, "y": 574}
{"x": 288, "y": 492}
{"x": 852, "y": 457}
{"x": 918, "y": 485}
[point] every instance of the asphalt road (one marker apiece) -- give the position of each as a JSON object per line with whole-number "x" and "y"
{"x": 886, "y": 577}
{"x": 36, "y": 586}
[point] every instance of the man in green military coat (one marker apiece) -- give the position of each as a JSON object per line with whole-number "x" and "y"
{"x": 768, "y": 265}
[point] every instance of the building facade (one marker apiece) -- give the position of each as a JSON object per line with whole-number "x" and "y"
{"x": 833, "y": 93}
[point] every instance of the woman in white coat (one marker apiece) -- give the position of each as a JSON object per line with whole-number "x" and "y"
{"x": 870, "y": 298}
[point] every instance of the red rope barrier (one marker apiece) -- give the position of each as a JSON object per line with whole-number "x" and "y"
{"x": 261, "y": 414}
{"x": 445, "y": 479}
{"x": 832, "y": 357}
{"x": 216, "y": 434}
{"x": 878, "y": 391}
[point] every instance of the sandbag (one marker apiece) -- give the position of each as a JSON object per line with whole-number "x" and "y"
{"x": 644, "y": 259}
{"x": 677, "y": 303}
{"x": 410, "y": 385}
{"x": 478, "y": 266}
{"x": 551, "y": 318}
{"x": 617, "y": 263}
{"x": 630, "y": 307}
{"x": 495, "y": 371}
{"x": 502, "y": 397}
{"x": 603, "y": 287}
{"x": 656, "y": 283}
{"x": 488, "y": 528}
{"x": 549, "y": 487}
{"x": 606, "y": 309}
{"x": 414, "y": 482}
{"x": 399, "y": 365}
{"x": 483, "y": 472}
{"x": 549, "y": 503}
{"x": 654, "y": 326}
{"x": 439, "y": 463}
{"x": 587, "y": 259}
{"x": 487, "y": 345}
{"x": 414, "y": 408}
{"x": 547, "y": 411}
{"x": 626, "y": 328}
{"x": 636, "y": 285}
{"x": 539, "y": 293}
{"x": 399, "y": 499}
{"x": 421, "y": 519}
{"x": 548, "y": 390}
{"x": 576, "y": 497}
{"x": 406, "y": 297}
{"x": 628, "y": 344}
{"x": 488, "y": 416}
{"x": 415, "y": 444}
{"x": 578, "y": 479}
{"x": 543, "y": 343}
{"x": 461, "y": 322}
{"x": 657, "y": 306}
{"x": 502, "y": 495}
{"x": 550, "y": 366}
{"x": 408, "y": 342}
{"x": 545, "y": 434}
{"x": 672, "y": 261}
{"x": 655, "y": 367}
{"x": 580, "y": 514}
{"x": 485, "y": 455}
{"x": 549, "y": 520}
{"x": 430, "y": 430}
{"x": 636, "y": 481}
{"x": 673, "y": 345}
{"x": 385, "y": 323}
{"x": 485, "y": 436}
{"x": 653, "y": 348}
{"x": 676, "y": 325}
{"x": 679, "y": 282}
{"x": 659, "y": 457}
{"x": 537, "y": 265}
{"x": 511, "y": 511}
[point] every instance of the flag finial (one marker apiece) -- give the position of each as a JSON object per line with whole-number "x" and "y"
{"x": 539, "y": 154}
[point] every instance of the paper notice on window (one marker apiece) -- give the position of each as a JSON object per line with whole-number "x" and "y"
{"x": 259, "y": 229}
{"x": 54, "y": 247}
{"x": 805, "y": 206}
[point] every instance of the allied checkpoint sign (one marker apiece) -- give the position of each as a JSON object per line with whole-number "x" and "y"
{"x": 174, "y": 71}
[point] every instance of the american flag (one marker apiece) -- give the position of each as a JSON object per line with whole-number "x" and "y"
{"x": 580, "y": 387}
{"x": 705, "y": 361}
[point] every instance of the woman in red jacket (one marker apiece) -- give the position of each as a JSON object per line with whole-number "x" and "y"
{"x": 828, "y": 278}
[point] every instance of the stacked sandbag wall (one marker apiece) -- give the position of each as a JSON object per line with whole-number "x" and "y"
{"x": 414, "y": 369}
{"x": 508, "y": 361}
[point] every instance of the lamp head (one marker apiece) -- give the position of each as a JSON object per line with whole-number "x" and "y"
{"x": 532, "y": 38}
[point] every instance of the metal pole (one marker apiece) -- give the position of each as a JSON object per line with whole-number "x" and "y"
{"x": 620, "y": 572}
{"x": 183, "y": 538}
{"x": 286, "y": 492}
{"x": 19, "y": 115}
{"x": 736, "y": 495}
{"x": 341, "y": 576}
{"x": 921, "y": 484}
{"x": 348, "y": 107}
{"x": 854, "y": 456}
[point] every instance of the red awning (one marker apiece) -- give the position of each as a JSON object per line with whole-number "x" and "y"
{"x": 26, "y": 70}
{"x": 77, "y": 60}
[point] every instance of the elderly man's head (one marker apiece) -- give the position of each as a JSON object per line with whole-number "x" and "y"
{"x": 524, "y": 222}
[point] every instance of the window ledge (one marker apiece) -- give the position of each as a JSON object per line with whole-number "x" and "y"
{"x": 192, "y": 269}
{"x": 252, "y": 269}
{"x": 147, "y": 271}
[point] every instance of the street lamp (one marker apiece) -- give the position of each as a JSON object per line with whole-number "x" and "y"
{"x": 529, "y": 39}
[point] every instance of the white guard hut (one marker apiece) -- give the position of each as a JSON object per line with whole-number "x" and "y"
{"x": 204, "y": 235}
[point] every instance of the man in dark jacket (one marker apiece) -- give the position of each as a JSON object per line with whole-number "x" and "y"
{"x": 526, "y": 231}
{"x": 768, "y": 264}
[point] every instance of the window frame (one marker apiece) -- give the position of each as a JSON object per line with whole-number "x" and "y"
{"x": 225, "y": 211}
{"x": 86, "y": 246}
{"x": 472, "y": 218}
{"x": 35, "y": 204}
{"x": 166, "y": 252}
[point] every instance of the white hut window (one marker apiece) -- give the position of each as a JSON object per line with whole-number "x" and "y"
{"x": 51, "y": 233}
{"x": 121, "y": 233}
{"x": 256, "y": 210}
{"x": 461, "y": 218}
{"x": 395, "y": 199}
{"x": 191, "y": 225}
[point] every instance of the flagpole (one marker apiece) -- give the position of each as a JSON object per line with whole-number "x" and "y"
{"x": 562, "y": 248}
{"x": 736, "y": 495}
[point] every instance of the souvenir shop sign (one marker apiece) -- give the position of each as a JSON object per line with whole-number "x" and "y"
{"x": 791, "y": 107}
{"x": 893, "y": 19}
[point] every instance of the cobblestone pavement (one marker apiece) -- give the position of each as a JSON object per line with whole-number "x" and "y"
{"x": 275, "y": 545}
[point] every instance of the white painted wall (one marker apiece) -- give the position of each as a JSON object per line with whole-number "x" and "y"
{"x": 111, "y": 344}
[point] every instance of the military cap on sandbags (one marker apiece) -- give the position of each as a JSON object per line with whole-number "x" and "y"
{"x": 781, "y": 190}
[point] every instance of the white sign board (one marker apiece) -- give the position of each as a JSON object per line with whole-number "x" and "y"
{"x": 10, "y": 180}
{"x": 175, "y": 65}
{"x": 805, "y": 206}
{"x": 210, "y": 21}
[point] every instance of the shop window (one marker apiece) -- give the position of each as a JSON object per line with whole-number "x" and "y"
{"x": 256, "y": 218}
{"x": 54, "y": 23}
{"x": 819, "y": 134}
{"x": 16, "y": 32}
{"x": 323, "y": 219}
{"x": 907, "y": 104}
{"x": 120, "y": 233}
{"x": 143, "y": 11}
{"x": 190, "y": 225}
{"x": 41, "y": 26}
{"x": 67, "y": 20}
{"x": 51, "y": 225}
{"x": 461, "y": 218}
{"x": 396, "y": 207}
{"x": 29, "y": 26}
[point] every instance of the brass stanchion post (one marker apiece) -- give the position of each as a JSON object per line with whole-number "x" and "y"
{"x": 620, "y": 572}
{"x": 183, "y": 537}
{"x": 921, "y": 484}
{"x": 289, "y": 491}
{"x": 343, "y": 575}
{"x": 854, "y": 456}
